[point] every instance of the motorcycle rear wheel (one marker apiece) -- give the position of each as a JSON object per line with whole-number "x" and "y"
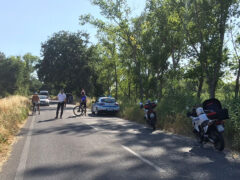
{"x": 153, "y": 123}
{"x": 219, "y": 142}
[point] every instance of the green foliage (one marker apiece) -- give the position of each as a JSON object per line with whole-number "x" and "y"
{"x": 233, "y": 124}
{"x": 16, "y": 74}
{"x": 132, "y": 112}
{"x": 11, "y": 73}
{"x": 65, "y": 62}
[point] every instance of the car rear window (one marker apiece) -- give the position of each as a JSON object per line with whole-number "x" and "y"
{"x": 42, "y": 97}
{"x": 43, "y": 93}
{"x": 108, "y": 100}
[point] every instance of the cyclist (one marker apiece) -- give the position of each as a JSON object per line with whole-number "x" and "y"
{"x": 36, "y": 101}
{"x": 83, "y": 101}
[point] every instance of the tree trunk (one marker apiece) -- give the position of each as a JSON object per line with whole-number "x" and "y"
{"x": 237, "y": 81}
{"x": 138, "y": 66}
{"x": 212, "y": 87}
{"x": 129, "y": 90}
{"x": 116, "y": 81}
{"x": 200, "y": 85}
{"x": 160, "y": 89}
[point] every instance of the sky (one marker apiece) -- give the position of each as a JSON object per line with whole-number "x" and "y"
{"x": 25, "y": 24}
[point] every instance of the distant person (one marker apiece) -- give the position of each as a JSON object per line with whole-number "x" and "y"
{"x": 61, "y": 102}
{"x": 83, "y": 100}
{"x": 36, "y": 101}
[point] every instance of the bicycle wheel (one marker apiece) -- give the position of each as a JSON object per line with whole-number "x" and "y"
{"x": 78, "y": 111}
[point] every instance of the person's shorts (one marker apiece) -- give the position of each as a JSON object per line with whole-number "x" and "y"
{"x": 35, "y": 103}
{"x": 83, "y": 104}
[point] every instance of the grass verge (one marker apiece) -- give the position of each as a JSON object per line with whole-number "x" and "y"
{"x": 13, "y": 113}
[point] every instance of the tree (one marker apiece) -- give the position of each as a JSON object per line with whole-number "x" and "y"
{"x": 65, "y": 62}
{"x": 11, "y": 73}
{"x": 118, "y": 13}
{"x": 205, "y": 24}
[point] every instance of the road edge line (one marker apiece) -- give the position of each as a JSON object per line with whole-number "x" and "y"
{"x": 24, "y": 156}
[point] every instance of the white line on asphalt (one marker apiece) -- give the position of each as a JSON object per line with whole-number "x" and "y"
{"x": 24, "y": 155}
{"x": 93, "y": 127}
{"x": 160, "y": 170}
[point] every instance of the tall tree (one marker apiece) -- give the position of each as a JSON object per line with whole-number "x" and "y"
{"x": 117, "y": 12}
{"x": 65, "y": 62}
{"x": 206, "y": 26}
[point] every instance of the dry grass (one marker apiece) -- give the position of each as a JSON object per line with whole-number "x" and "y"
{"x": 13, "y": 112}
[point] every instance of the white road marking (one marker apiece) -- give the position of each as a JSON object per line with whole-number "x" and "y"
{"x": 24, "y": 155}
{"x": 94, "y": 128}
{"x": 160, "y": 170}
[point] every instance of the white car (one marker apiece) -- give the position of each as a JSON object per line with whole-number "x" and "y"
{"x": 44, "y": 93}
{"x": 44, "y": 100}
{"x": 105, "y": 105}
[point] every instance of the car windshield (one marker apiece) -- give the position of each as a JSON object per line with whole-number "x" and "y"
{"x": 43, "y": 93}
{"x": 42, "y": 97}
{"x": 108, "y": 100}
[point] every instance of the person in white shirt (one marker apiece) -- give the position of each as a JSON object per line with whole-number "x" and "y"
{"x": 61, "y": 102}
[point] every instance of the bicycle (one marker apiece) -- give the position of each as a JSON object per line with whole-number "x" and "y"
{"x": 34, "y": 108}
{"x": 79, "y": 110}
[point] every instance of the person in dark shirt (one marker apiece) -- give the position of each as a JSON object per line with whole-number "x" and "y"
{"x": 83, "y": 101}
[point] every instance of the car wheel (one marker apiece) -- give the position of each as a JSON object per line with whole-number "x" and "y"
{"x": 97, "y": 112}
{"x": 93, "y": 112}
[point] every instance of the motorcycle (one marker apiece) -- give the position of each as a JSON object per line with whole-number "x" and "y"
{"x": 212, "y": 128}
{"x": 149, "y": 114}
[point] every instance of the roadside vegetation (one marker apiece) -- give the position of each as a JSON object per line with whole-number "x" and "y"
{"x": 13, "y": 112}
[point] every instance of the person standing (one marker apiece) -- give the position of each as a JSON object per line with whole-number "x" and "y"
{"x": 61, "y": 103}
{"x": 83, "y": 101}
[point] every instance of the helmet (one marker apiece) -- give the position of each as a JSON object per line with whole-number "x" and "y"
{"x": 82, "y": 92}
{"x": 199, "y": 111}
{"x": 36, "y": 93}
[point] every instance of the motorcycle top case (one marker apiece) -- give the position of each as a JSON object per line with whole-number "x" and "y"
{"x": 214, "y": 105}
{"x": 150, "y": 105}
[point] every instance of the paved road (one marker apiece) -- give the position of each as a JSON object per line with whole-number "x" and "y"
{"x": 109, "y": 148}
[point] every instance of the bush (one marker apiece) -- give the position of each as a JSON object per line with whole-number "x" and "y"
{"x": 132, "y": 112}
{"x": 172, "y": 109}
{"x": 232, "y": 132}
{"x": 171, "y": 112}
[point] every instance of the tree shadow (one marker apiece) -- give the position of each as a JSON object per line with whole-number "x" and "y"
{"x": 177, "y": 154}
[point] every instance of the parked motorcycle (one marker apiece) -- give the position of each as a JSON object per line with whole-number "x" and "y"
{"x": 208, "y": 125}
{"x": 149, "y": 114}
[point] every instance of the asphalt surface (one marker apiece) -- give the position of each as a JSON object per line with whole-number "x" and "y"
{"x": 109, "y": 148}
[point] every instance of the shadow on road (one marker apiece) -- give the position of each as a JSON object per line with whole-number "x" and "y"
{"x": 178, "y": 154}
{"x": 48, "y": 120}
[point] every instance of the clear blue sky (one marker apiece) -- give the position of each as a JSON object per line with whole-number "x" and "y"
{"x": 25, "y": 24}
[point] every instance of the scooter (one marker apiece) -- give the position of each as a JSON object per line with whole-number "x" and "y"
{"x": 149, "y": 114}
